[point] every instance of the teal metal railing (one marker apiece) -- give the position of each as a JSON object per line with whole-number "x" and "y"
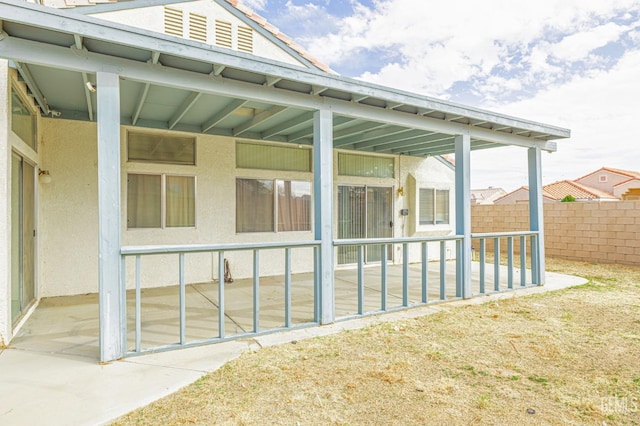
{"x": 217, "y": 249}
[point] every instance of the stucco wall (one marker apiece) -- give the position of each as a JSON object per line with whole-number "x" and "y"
{"x": 596, "y": 232}
{"x": 69, "y": 216}
{"x": 152, "y": 18}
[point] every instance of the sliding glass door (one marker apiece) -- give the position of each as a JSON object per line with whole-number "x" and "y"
{"x": 22, "y": 236}
{"x": 363, "y": 212}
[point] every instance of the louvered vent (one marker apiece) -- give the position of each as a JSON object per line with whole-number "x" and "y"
{"x": 198, "y": 27}
{"x": 173, "y": 22}
{"x": 245, "y": 39}
{"x": 223, "y": 34}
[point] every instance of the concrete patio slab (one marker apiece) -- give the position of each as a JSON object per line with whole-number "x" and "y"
{"x": 51, "y": 374}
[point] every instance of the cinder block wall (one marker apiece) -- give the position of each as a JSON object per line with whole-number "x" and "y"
{"x": 600, "y": 232}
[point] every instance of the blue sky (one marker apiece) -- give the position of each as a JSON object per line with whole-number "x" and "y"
{"x": 570, "y": 63}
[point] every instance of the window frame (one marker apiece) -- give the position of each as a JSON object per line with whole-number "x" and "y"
{"x": 163, "y": 200}
{"x": 13, "y": 89}
{"x": 275, "y": 181}
{"x": 434, "y": 191}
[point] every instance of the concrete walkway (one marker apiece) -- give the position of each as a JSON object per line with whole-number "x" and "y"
{"x": 40, "y": 384}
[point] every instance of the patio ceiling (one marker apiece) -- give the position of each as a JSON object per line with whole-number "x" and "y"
{"x": 177, "y": 84}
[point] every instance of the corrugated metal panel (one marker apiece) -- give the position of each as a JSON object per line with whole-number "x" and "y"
{"x": 198, "y": 27}
{"x": 173, "y": 24}
{"x": 223, "y": 34}
{"x": 245, "y": 39}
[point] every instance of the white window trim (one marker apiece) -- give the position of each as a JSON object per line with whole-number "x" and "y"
{"x": 435, "y": 208}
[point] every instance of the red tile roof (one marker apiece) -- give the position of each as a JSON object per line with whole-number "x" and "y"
{"x": 561, "y": 189}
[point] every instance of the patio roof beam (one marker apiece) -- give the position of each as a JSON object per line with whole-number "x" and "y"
{"x": 184, "y": 108}
{"x": 24, "y": 72}
{"x": 307, "y": 117}
{"x": 258, "y": 119}
{"x": 219, "y": 116}
{"x": 155, "y": 57}
{"x": 55, "y": 56}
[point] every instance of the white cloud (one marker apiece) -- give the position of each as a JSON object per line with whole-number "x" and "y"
{"x": 439, "y": 44}
{"x": 577, "y": 46}
{"x": 255, "y": 4}
{"x": 601, "y": 110}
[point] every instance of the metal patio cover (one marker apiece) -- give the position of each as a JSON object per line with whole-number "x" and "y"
{"x": 177, "y": 84}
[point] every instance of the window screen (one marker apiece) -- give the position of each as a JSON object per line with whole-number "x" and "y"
{"x": 161, "y": 149}
{"x": 271, "y": 157}
{"x": 366, "y": 166}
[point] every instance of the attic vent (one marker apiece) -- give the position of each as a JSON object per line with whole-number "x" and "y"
{"x": 198, "y": 27}
{"x": 602, "y": 178}
{"x": 173, "y": 21}
{"x": 245, "y": 39}
{"x": 223, "y": 34}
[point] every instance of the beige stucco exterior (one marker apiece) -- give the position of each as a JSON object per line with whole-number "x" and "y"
{"x": 69, "y": 215}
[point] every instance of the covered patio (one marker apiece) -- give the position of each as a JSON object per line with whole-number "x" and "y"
{"x": 69, "y": 325}
{"x": 120, "y": 79}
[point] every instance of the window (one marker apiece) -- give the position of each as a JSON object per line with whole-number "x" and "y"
{"x": 166, "y": 149}
{"x": 264, "y": 205}
{"x": 272, "y": 157}
{"x": 23, "y": 121}
{"x": 365, "y": 166}
{"x": 160, "y": 201}
{"x": 434, "y": 206}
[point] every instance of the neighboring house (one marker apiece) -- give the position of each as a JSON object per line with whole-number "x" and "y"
{"x": 486, "y": 196}
{"x": 221, "y": 132}
{"x": 605, "y": 184}
{"x": 521, "y": 195}
{"x": 615, "y": 182}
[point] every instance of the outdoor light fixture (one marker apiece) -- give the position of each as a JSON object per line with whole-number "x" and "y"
{"x": 44, "y": 176}
{"x": 91, "y": 87}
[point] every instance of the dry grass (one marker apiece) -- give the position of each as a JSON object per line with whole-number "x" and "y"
{"x": 567, "y": 357}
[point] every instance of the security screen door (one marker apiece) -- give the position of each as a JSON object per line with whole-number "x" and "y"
{"x": 363, "y": 212}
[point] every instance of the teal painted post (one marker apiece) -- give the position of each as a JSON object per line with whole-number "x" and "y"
{"x": 110, "y": 287}
{"x": 323, "y": 208}
{"x": 463, "y": 213}
{"x": 536, "y": 218}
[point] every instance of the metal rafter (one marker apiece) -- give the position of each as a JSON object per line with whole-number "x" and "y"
{"x": 155, "y": 57}
{"x": 258, "y": 119}
{"x": 23, "y": 69}
{"x": 408, "y": 135}
{"x": 289, "y": 124}
{"x": 406, "y": 146}
{"x": 219, "y": 116}
{"x": 372, "y": 135}
{"x": 184, "y": 108}
{"x": 358, "y": 129}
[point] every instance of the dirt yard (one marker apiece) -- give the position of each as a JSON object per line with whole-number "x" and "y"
{"x": 567, "y": 357}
